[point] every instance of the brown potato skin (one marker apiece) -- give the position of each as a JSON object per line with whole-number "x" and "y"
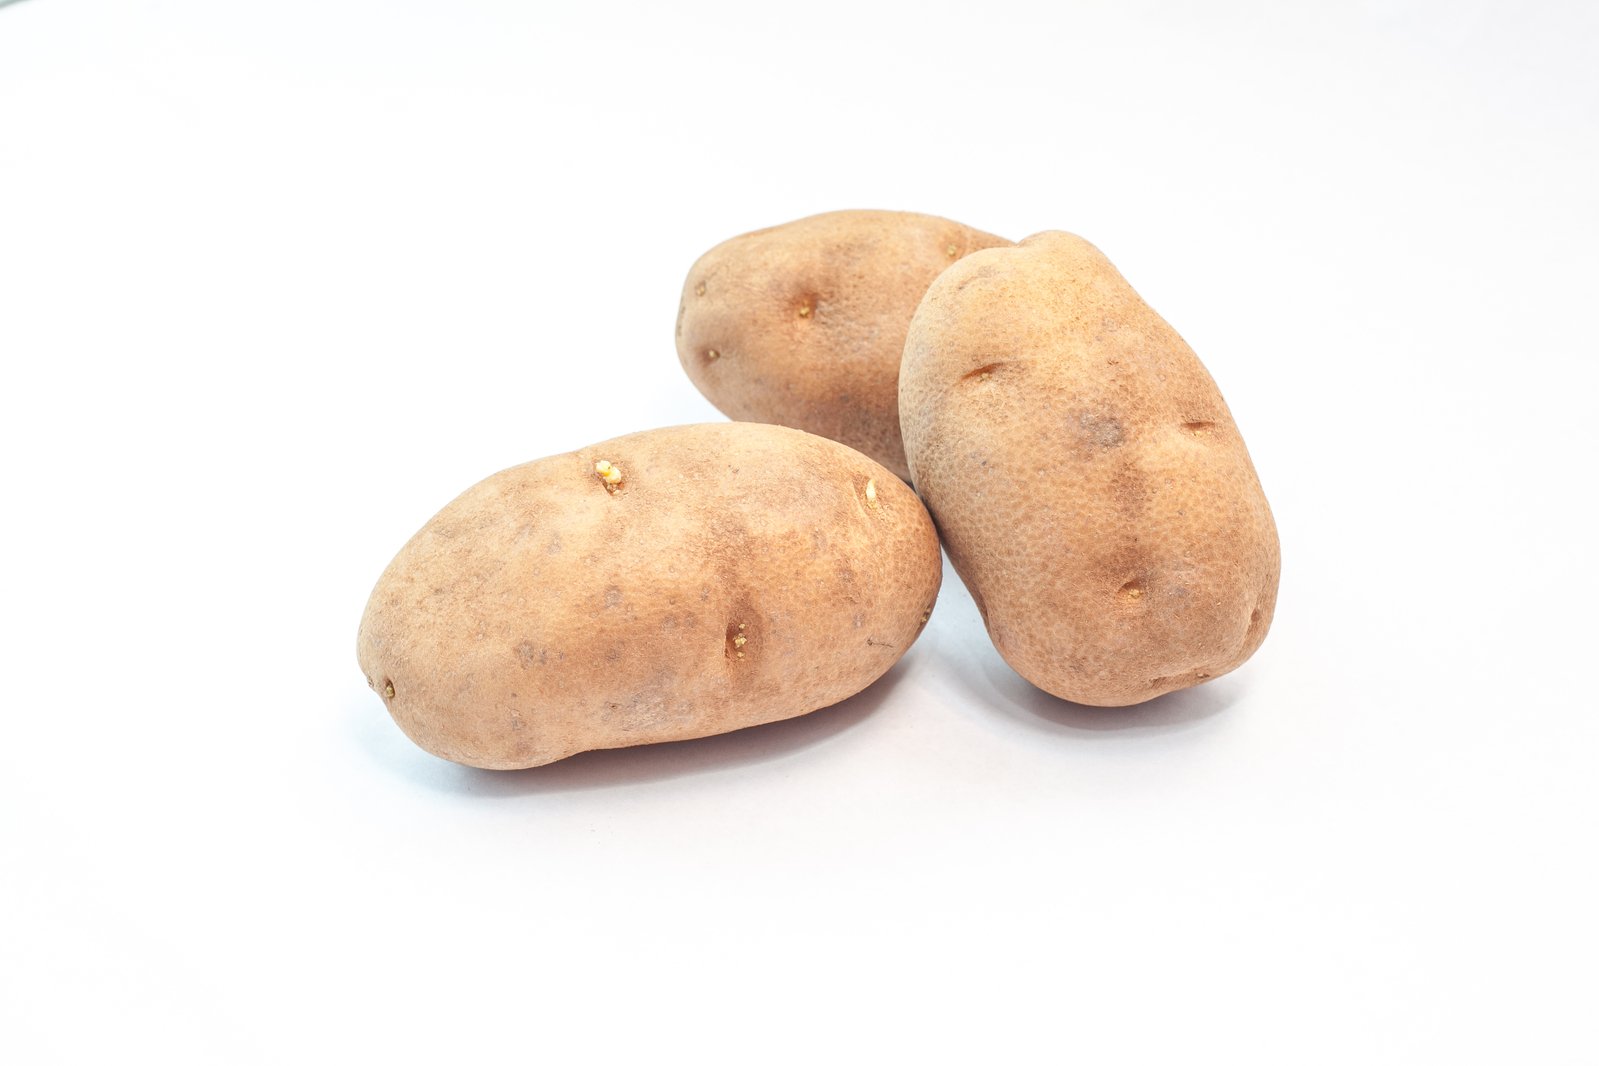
{"x": 1086, "y": 476}
{"x": 541, "y": 614}
{"x": 807, "y": 321}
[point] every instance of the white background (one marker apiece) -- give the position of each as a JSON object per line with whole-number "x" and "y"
{"x": 277, "y": 280}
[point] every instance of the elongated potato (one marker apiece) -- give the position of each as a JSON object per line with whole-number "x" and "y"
{"x": 664, "y": 585}
{"x": 1086, "y": 476}
{"x": 803, "y": 325}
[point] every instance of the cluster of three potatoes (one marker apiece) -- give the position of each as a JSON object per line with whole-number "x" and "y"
{"x": 1084, "y": 473}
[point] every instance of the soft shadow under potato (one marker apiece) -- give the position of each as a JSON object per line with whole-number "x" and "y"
{"x": 1170, "y": 713}
{"x": 618, "y": 767}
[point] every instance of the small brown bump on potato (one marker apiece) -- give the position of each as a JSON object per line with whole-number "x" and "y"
{"x": 510, "y": 662}
{"x": 852, "y": 278}
{"x": 1125, "y": 480}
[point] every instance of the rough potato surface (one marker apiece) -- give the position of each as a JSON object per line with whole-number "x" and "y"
{"x": 664, "y": 585}
{"x": 803, "y": 325}
{"x": 1086, "y": 476}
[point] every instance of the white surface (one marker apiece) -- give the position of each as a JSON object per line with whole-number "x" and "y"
{"x": 278, "y": 280}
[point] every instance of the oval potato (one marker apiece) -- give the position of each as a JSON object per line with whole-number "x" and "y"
{"x": 663, "y": 585}
{"x": 803, "y": 324}
{"x": 1088, "y": 480}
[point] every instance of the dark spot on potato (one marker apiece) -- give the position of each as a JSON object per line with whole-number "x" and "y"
{"x": 982, "y": 373}
{"x": 1102, "y": 431}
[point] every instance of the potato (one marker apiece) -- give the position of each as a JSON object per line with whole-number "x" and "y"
{"x": 803, "y": 325}
{"x": 663, "y": 585}
{"x": 1086, "y": 476}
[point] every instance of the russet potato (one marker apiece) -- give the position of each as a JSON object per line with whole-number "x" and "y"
{"x": 803, "y": 324}
{"x": 1087, "y": 478}
{"x": 668, "y": 584}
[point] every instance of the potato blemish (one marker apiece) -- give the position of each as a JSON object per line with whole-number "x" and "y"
{"x": 609, "y": 474}
{"x": 871, "y": 493}
{"x": 736, "y": 641}
{"x": 981, "y": 373}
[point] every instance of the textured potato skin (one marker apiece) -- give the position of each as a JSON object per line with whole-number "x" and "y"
{"x": 1086, "y": 476}
{"x": 803, "y": 324}
{"x": 737, "y": 574}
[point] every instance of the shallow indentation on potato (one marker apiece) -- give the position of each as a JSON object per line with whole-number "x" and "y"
{"x": 1198, "y": 428}
{"x": 1252, "y": 633}
{"x": 981, "y": 273}
{"x": 984, "y": 372}
{"x": 712, "y": 355}
{"x": 738, "y": 639}
{"x": 1187, "y": 679}
{"x": 388, "y": 689}
{"x": 805, "y": 307}
{"x": 610, "y": 475}
{"x": 699, "y": 290}
{"x": 1132, "y": 590}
